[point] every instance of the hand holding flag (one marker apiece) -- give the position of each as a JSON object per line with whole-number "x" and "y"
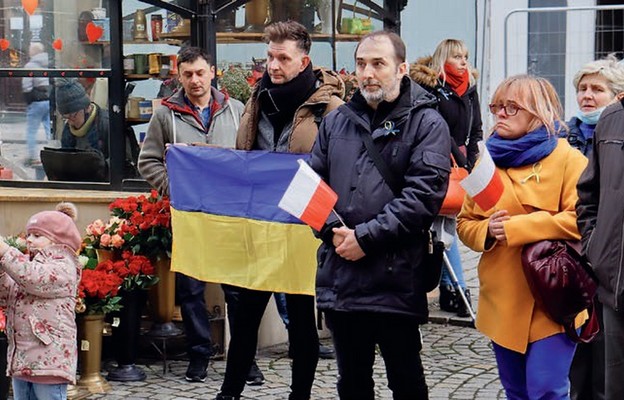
{"x": 308, "y": 197}
{"x": 484, "y": 184}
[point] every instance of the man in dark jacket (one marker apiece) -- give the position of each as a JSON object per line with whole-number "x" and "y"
{"x": 600, "y": 216}
{"x": 370, "y": 279}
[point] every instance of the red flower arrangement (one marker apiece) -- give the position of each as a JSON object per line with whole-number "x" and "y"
{"x": 98, "y": 289}
{"x": 136, "y": 271}
{"x": 147, "y": 227}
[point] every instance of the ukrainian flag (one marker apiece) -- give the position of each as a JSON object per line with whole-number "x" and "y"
{"x": 227, "y": 227}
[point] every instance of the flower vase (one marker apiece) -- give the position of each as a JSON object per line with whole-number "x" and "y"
{"x": 256, "y": 15}
{"x": 126, "y": 329}
{"x": 162, "y": 300}
{"x": 105, "y": 255}
{"x": 90, "y": 353}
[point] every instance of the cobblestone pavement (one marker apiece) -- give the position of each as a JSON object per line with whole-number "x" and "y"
{"x": 458, "y": 361}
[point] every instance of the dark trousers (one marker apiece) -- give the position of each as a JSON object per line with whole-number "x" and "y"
{"x": 190, "y": 294}
{"x": 355, "y": 335}
{"x": 587, "y": 373}
{"x": 614, "y": 353}
{"x": 244, "y": 340}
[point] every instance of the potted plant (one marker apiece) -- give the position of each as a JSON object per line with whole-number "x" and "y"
{"x": 147, "y": 231}
{"x": 138, "y": 274}
{"x": 97, "y": 295}
{"x": 234, "y": 81}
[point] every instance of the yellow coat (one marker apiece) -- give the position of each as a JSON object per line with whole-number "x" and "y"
{"x": 507, "y": 312}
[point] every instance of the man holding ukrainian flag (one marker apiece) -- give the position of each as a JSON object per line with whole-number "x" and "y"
{"x": 258, "y": 248}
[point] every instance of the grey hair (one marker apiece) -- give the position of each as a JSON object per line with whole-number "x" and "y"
{"x": 609, "y": 67}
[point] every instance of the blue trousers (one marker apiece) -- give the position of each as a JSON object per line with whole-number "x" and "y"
{"x": 37, "y": 112}
{"x": 455, "y": 258}
{"x": 23, "y": 390}
{"x": 541, "y": 373}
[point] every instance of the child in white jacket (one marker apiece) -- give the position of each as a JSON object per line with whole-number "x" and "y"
{"x": 38, "y": 292}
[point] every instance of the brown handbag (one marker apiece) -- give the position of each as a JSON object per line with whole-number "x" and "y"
{"x": 562, "y": 283}
{"x": 455, "y": 194}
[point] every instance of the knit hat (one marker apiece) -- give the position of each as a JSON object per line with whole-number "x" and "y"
{"x": 70, "y": 96}
{"x": 58, "y": 226}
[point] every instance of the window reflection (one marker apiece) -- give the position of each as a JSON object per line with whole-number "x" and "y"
{"x": 74, "y": 33}
{"x": 59, "y": 133}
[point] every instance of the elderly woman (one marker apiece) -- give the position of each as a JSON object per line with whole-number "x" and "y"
{"x": 598, "y": 84}
{"x": 539, "y": 172}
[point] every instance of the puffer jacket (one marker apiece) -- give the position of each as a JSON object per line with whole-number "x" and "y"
{"x": 40, "y": 299}
{"x": 177, "y": 122}
{"x": 600, "y": 215}
{"x": 327, "y": 96}
{"x": 391, "y": 230}
{"x": 462, "y": 114}
{"x": 36, "y": 88}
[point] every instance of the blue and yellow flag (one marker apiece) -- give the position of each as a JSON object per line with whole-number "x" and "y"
{"x": 227, "y": 227}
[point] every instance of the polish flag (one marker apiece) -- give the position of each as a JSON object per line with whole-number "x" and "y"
{"x": 484, "y": 184}
{"x": 308, "y": 197}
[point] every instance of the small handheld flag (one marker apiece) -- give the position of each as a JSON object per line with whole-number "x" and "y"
{"x": 484, "y": 184}
{"x": 308, "y": 197}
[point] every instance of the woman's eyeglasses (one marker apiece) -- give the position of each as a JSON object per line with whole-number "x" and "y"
{"x": 72, "y": 116}
{"x": 510, "y": 109}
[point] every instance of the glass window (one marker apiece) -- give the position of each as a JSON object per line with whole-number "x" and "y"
{"x": 75, "y": 33}
{"x": 54, "y": 128}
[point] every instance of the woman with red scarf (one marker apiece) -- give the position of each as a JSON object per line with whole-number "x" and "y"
{"x": 449, "y": 76}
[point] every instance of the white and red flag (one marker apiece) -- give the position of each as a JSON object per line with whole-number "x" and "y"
{"x": 484, "y": 184}
{"x": 308, "y": 197}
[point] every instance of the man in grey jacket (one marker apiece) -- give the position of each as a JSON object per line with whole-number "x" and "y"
{"x": 197, "y": 113}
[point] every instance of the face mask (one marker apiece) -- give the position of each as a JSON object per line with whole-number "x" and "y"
{"x": 590, "y": 118}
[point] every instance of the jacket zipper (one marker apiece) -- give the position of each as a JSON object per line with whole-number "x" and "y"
{"x": 469, "y": 125}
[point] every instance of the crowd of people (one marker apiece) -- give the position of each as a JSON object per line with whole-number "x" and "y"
{"x": 386, "y": 152}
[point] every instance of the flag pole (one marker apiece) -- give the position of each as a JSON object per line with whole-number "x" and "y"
{"x": 339, "y": 218}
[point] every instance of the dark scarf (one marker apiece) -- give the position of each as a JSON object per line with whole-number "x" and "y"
{"x": 279, "y": 102}
{"x": 525, "y": 150}
{"x": 458, "y": 82}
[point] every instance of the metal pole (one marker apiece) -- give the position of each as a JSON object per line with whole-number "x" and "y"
{"x": 449, "y": 268}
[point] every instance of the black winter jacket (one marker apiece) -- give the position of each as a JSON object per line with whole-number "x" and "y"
{"x": 462, "y": 114}
{"x": 599, "y": 208}
{"x": 414, "y": 141}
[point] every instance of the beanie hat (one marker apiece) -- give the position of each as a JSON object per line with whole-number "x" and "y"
{"x": 70, "y": 96}
{"x": 58, "y": 226}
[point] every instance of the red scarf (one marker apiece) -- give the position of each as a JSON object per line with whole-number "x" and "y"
{"x": 458, "y": 82}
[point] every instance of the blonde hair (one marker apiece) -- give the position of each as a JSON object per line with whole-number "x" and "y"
{"x": 445, "y": 50}
{"x": 535, "y": 95}
{"x": 609, "y": 67}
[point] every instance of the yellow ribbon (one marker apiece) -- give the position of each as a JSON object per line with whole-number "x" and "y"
{"x": 536, "y": 169}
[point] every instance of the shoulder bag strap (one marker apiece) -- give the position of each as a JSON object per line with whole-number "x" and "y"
{"x": 381, "y": 165}
{"x": 391, "y": 180}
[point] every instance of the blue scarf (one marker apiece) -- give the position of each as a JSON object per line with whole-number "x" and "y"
{"x": 525, "y": 150}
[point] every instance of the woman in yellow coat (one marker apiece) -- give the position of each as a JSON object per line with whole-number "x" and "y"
{"x": 539, "y": 174}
